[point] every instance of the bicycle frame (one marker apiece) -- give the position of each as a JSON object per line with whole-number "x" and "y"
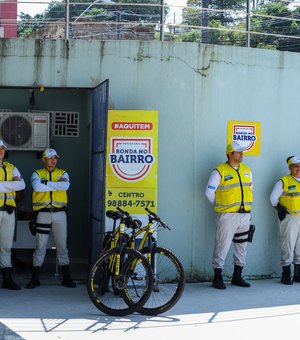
{"x": 147, "y": 238}
{"x": 114, "y": 265}
{"x": 116, "y": 239}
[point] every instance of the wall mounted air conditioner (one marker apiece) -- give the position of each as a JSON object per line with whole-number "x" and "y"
{"x": 25, "y": 130}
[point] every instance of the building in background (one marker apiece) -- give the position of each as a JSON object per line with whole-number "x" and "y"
{"x": 8, "y": 18}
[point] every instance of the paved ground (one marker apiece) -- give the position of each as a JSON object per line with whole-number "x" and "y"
{"x": 52, "y": 311}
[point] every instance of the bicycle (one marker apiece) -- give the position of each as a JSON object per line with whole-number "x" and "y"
{"x": 169, "y": 273}
{"x": 121, "y": 280}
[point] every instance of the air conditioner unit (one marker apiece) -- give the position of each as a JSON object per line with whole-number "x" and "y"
{"x": 25, "y": 131}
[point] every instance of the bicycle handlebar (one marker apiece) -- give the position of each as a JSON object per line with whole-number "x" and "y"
{"x": 157, "y": 218}
{"x": 152, "y": 215}
{"x": 123, "y": 212}
{"x": 129, "y": 220}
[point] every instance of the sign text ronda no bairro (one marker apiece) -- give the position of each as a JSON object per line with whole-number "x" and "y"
{"x": 247, "y": 134}
{"x": 131, "y": 164}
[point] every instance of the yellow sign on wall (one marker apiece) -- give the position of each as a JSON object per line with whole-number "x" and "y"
{"x": 247, "y": 134}
{"x": 131, "y": 165}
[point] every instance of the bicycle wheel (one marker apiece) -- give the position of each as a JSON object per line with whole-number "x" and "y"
{"x": 107, "y": 290}
{"x": 169, "y": 281}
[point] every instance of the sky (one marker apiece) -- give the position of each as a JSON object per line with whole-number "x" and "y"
{"x": 33, "y": 7}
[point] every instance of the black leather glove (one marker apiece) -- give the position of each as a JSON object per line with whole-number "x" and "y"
{"x": 281, "y": 210}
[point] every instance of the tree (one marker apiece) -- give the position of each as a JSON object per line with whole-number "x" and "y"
{"x": 224, "y": 5}
{"x": 260, "y": 23}
{"x": 218, "y": 16}
{"x": 192, "y": 15}
{"x": 56, "y": 10}
{"x": 29, "y": 24}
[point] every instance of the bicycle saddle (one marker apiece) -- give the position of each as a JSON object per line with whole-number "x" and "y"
{"x": 115, "y": 215}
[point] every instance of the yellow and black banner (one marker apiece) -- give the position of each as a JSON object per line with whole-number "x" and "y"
{"x": 132, "y": 157}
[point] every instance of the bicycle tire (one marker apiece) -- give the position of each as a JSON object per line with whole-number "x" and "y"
{"x": 169, "y": 281}
{"x": 136, "y": 285}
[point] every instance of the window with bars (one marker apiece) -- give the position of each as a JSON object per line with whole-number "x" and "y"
{"x": 65, "y": 124}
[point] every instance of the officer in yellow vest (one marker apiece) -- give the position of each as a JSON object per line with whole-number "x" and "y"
{"x": 49, "y": 200}
{"x": 10, "y": 182}
{"x": 285, "y": 197}
{"x": 229, "y": 189}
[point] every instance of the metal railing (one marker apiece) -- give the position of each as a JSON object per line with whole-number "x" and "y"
{"x": 153, "y": 21}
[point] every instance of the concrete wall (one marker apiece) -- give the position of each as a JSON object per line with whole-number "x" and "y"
{"x": 197, "y": 89}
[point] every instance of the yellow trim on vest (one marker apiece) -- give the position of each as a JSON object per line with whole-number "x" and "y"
{"x": 234, "y": 189}
{"x": 8, "y": 198}
{"x": 57, "y": 199}
{"x": 290, "y": 198}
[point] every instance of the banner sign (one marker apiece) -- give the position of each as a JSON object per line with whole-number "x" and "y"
{"x": 131, "y": 165}
{"x": 247, "y": 134}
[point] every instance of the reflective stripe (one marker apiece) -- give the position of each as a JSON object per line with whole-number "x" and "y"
{"x": 45, "y": 204}
{"x": 296, "y": 212}
{"x": 226, "y": 187}
{"x": 237, "y": 204}
{"x": 40, "y": 204}
{"x": 294, "y": 194}
{"x": 43, "y": 228}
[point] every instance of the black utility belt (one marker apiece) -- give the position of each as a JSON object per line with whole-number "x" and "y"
{"x": 53, "y": 209}
{"x": 8, "y": 208}
{"x": 243, "y": 211}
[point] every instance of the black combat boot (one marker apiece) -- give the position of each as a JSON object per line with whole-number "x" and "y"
{"x": 66, "y": 280}
{"x": 35, "y": 278}
{"x": 237, "y": 279}
{"x": 218, "y": 279}
{"x": 286, "y": 275}
{"x": 8, "y": 282}
{"x": 296, "y": 277}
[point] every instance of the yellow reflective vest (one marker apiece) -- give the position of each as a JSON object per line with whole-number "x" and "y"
{"x": 6, "y": 174}
{"x": 234, "y": 191}
{"x": 48, "y": 199}
{"x": 290, "y": 198}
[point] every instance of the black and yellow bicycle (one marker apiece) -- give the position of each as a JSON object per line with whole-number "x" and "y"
{"x": 169, "y": 274}
{"x": 121, "y": 280}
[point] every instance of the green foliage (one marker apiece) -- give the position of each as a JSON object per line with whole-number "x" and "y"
{"x": 226, "y": 17}
{"x": 29, "y": 24}
{"x": 192, "y": 16}
{"x": 228, "y": 24}
{"x": 168, "y": 37}
{"x": 275, "y": 26}
{"x": 56, "y": 10}
{"x": 226, "y": 27}
{"x": 267, "y": 47}
{"x": 191, "y": 36}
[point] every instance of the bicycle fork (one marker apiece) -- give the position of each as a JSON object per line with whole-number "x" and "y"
{"x": 151, "y": 255}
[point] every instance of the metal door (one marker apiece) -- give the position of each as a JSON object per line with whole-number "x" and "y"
{"x": 98, "y": 157}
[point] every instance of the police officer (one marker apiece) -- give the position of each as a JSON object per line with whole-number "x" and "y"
{"x": 10, "y": 182}
{"x": 49, "y": 200}
{"x": 285, "y": 197}
{"x": 229, "y": 189}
